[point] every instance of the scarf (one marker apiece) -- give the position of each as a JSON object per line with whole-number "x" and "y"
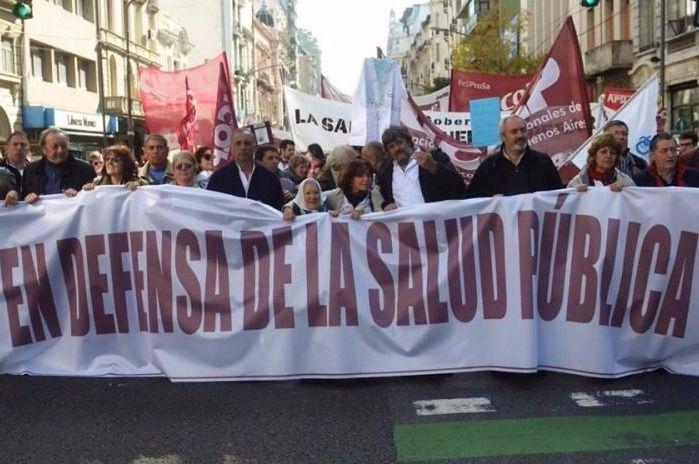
{"x": 678, "y": 179}
{"x": 606, "y": 178}
{"x": 301, "y": 202}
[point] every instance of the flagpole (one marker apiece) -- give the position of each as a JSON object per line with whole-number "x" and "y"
{"x": 662, "y": 53}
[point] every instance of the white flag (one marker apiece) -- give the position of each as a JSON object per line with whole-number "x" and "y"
{"x": 639, "y": 114}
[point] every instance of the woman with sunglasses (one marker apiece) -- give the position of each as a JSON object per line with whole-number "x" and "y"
{"x": 184, "y": 165}
{"x": 119, "y": 169}
{"x": 205, "y": 160}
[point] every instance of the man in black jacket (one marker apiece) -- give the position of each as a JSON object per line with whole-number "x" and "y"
{"x": 628, "y": 163}
{"x": 57, "y": 171}
{"x": 515, "y": 168}
{"x": 414, "y": 176}
{"x": 242, "y": 178}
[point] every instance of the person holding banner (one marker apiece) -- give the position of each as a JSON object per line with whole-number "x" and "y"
{"x": 119, "y": 169}
{"x": 600, "y": 169}
{"x": 10, "y": 182}
{"x": 185, "y": 167}
{"x": 309, "y": 199}
{"x": 242, "y": 178}
{"x": 629, "y": 163}
{"x": 664, "y": 169}
{"x": 515, "y": 168}
{"x": 355, "y": 195}
{"x": 414, "y": 176}
{"x": 57, "y": 171}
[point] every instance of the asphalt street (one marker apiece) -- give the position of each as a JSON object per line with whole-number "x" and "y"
{"x": 477, "y": 417}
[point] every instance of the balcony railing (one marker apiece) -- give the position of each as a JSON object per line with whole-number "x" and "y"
{"x": 119, "y": 106}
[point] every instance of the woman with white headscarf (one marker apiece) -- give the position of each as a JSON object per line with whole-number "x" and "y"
{"x": 308, "y": 200}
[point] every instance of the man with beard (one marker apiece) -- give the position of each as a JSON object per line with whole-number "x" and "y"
{"x": 411, "y": 176}
{"x": 515, "y": 168}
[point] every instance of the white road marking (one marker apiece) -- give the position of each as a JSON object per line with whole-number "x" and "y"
{"x": 585, "y": 400}
{"x": 453, "y": 406}
{"x": 597, "y": 399}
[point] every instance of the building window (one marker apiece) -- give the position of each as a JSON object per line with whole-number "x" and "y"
{"x": 8, "y": 57}
{"x": 61, "y": 68}
{"x": 38, "y": 63}
{"x": 685, "y": 110}
{"x": 646, "y": 24}
{"x": 83, "y": 70}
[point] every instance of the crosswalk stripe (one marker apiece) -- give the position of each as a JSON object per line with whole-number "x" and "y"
{"x": 453, "y": 406}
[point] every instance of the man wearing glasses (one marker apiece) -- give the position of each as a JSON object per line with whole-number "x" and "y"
{"x": 664, "y": 169}
{"x": 689, "y": 154}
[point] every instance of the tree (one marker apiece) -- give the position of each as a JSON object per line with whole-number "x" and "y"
{"x": 437, "y": 84}
{"x": 493, "y": 45}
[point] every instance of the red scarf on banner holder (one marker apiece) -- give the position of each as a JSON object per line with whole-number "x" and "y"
{"x": 606, "y": 178}
{"x": 660, "y": 182}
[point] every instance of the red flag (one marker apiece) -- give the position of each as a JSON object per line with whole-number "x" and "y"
{"x": 466, "y": 86}
{"x": 556, "y": 105}
{"x": 186, "y": 132}
{"x": 162, "y": 100}
{"x": 225, "y": 122}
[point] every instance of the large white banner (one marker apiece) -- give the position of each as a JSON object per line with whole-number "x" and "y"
{"x": 317, "y": 120}
{"x": 197, "y": 285}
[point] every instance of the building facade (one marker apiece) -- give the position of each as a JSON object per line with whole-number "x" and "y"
{"x": 11, "y": 71}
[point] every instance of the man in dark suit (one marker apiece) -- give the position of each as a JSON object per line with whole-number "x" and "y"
{"x": 411, "y": 176}
{"x": 242, "y": 178}
{"x": 515, "y": 168}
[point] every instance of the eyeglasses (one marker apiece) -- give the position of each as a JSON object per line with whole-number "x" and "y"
{"x": 112, "y": 159}
{"x": 184, "y": 166}
{"x": 97, "y": 163}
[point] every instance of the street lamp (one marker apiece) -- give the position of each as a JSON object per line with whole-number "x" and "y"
{"x": 129, "y": 108}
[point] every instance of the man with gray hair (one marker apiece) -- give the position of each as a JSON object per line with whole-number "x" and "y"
{"x": 628, "y": 163}
{"x": 515, "y": 168}
{"x": 157, "y": 169}
{"x": 57, "y": 171}
{"x": 241, "y": 177}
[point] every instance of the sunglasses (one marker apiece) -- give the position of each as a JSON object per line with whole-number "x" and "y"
{"x": 112, "y": 159}
{"x": 183, "y": 166}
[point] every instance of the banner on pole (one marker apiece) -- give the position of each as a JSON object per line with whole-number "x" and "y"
{"x": 165, "y": 97}
{"x": 466, "y": 86}
{"x": 196, "y": 285}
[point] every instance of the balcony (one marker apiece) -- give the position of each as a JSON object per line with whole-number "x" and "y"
{"x": 118, "y": 106}
{"x": 117, "y": 43}
{"x": 611, "y": 56}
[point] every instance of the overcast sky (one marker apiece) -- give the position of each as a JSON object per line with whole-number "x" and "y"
{"x": 347, "y": 31}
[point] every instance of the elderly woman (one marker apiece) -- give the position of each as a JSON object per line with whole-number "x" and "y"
{"x": 339, "y": 157}
{"x": 205, "y": 160}
{"x": 185, "y": 166}
{"x": 119, "y": 169}
{"x": 600, "y": 169}
{"x": 355, "y": 194}
{"x": 297, "y": 170}
{"x": 308, "y": 200}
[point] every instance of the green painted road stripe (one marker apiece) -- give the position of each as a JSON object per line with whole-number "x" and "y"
{"x": 543, "y": 435}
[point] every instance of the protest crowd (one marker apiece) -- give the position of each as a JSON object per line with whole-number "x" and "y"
{"x": 380, "y": 176}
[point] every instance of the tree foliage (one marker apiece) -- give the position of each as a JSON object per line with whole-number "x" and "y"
{"x": 493, "y": 45}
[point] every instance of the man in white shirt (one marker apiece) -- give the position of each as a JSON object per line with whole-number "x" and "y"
{"x": 242, "y": 178}
{"x": 414, "y": 176}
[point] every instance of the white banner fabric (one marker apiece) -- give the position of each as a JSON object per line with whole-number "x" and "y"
{"x": 196, "y": 285}
{"x": 639, "y": 114}
{"x": 317, "y": 120}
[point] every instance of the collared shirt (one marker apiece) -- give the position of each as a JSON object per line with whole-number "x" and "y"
{"x": 245, "y": 179}
{"x": 406, "y": 184}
